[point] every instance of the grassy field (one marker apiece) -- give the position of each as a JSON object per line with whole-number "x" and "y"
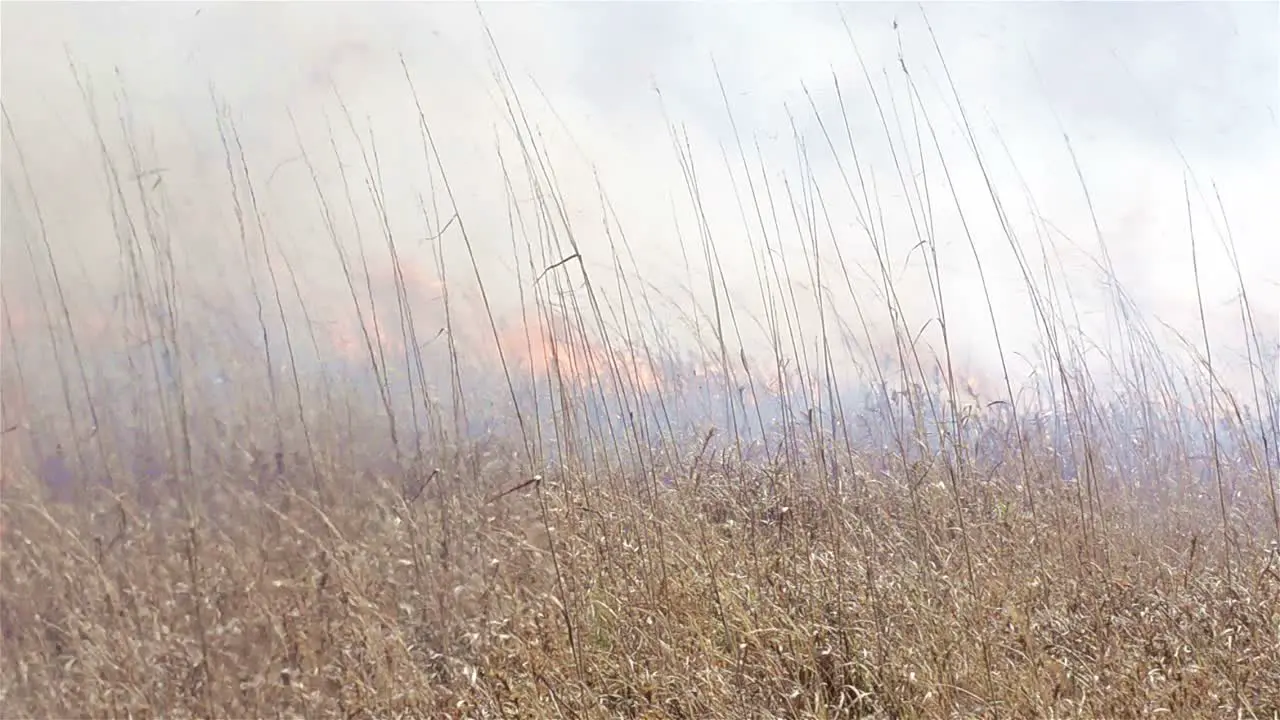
{"x": 599, "y": 521}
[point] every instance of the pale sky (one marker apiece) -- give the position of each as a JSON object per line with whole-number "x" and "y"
{"x": 1138, "y": 88}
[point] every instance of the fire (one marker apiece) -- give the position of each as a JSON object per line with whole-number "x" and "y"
{"x": 345, "y": 340}
{"x": 538, "y": 350}
{"x": 575, "y": 362}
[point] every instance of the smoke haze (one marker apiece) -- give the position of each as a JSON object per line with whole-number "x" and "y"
{"x": 1152, "y": 96}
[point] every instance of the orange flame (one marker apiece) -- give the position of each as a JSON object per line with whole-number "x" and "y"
{"x": 576, "y": 362}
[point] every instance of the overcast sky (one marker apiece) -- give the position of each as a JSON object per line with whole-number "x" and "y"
{"x": 1148, "y": 93}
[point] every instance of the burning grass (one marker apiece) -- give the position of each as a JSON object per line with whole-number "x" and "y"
{"x": 588, "y": 518}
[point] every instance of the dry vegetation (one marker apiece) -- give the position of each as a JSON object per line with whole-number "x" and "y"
{"x": 312, "y": 551}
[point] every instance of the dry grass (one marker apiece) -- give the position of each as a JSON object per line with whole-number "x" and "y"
{"x": 946, "y": 567}
{"x": 699, "y": 605}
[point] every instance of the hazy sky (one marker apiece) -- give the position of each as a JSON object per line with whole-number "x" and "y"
{"x": 1145, "y": 91}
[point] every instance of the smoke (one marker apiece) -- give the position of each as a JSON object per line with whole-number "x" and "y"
{"x": 772, "y": 106}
